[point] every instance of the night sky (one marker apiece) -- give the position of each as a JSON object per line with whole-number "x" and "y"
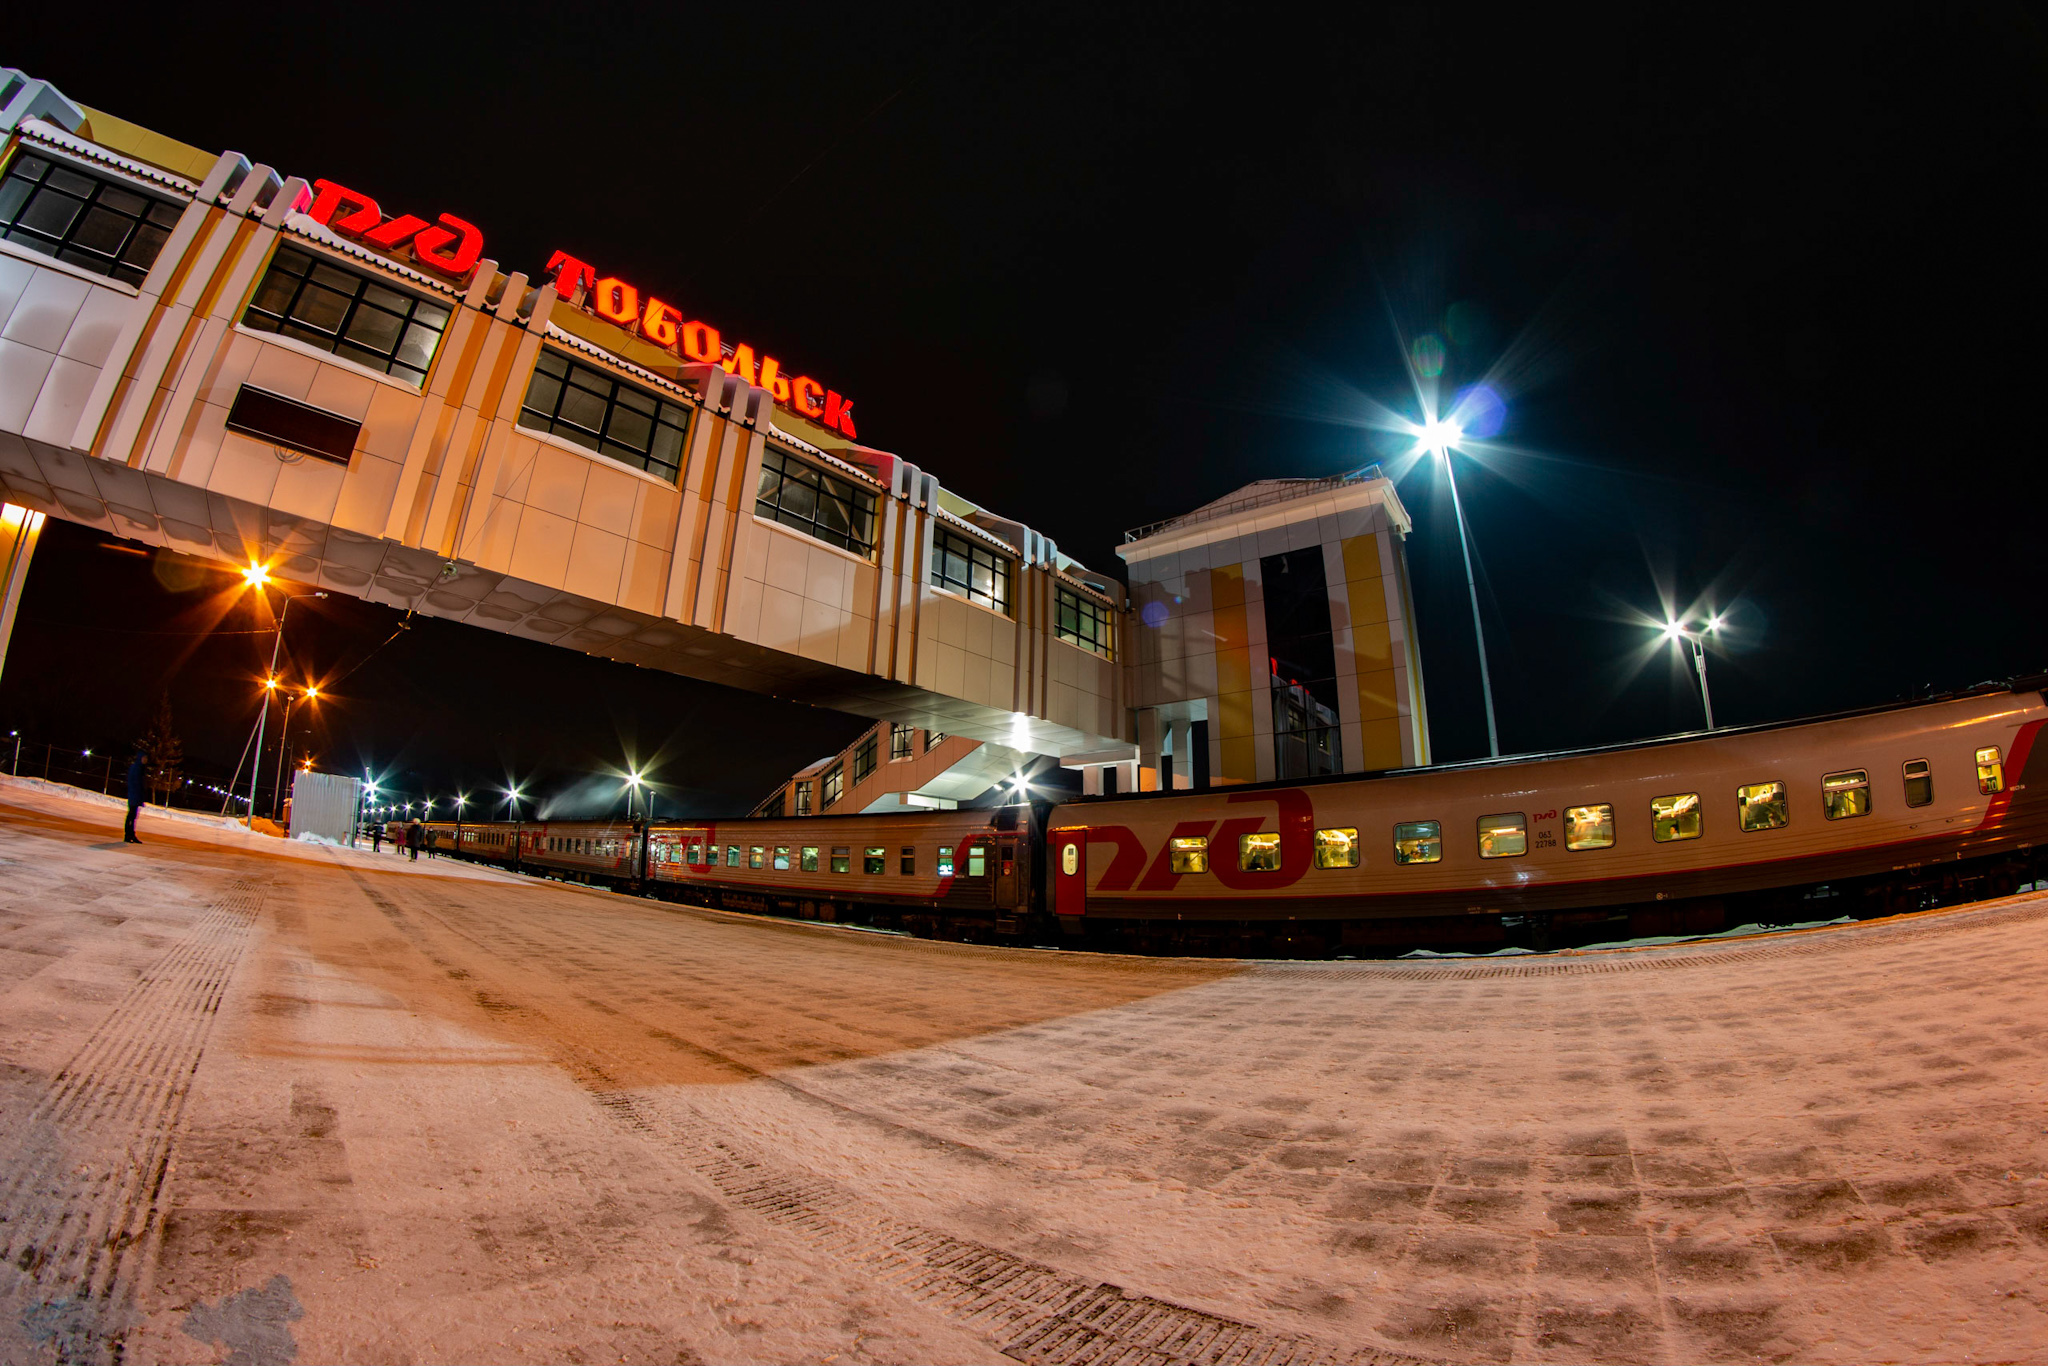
{"x": 1764, "y": 301}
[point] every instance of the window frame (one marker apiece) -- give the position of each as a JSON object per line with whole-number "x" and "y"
{"x": 1907, "y": 777}
{"x": 1991, "y": 783}
{"x": 1520, "y": 824}
{"x": 831, "y": 786}
{"x": 63, "y": 247}
{"x": 1698, "y": 812}
{"x": 1435, "y": 838}
{"x": 874, "y": 860}
{"x": 974, "y": 554}
{"x": 1258, "y": 841}
{"x": 907, "y": 865}
{"x": 787, "y": 470}
{"x": 864, "y": 758}
{"x": 1830, "y": 789}
{"x": 670, "y": 413}
{"x": 1350, "y": 844}
{"x": 261, "y": 318}
{"x": 757, "y": 856}
{"x": 1572, "y": 818}
{"x": 782, "y": 858}
{"x": 1189, "y": 854}
{"x": 945, "y": 860}
{"x": 807, "y": 858}
{"x": 1746, "y": 801}
{"x": 842, "y": 858}
{"x": 900, "y": 736}
{"x": 1094, "y": 628}
{"x": 977, "y": 859}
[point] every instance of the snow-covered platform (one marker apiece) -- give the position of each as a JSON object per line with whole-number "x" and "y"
{"x": 279, "y": 1100}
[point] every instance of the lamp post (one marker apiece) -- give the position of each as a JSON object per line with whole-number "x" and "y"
{"x": 1440, "y": 437}
{"x": 633, "y": 783}
{"x": 284, "y": 738}
{"x": 461, "y": 800}
{"x": 1675, "y": 631}
{"x": 257, "y": 577}
{"x": 518, "y": 832}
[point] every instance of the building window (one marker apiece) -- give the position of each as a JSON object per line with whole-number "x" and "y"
{"x": 933, "y": 739}
{"x": 82, "y": 220}
{"x": 1259, "y": 853}
{"x": 899, "y": 741}
{"x": 1190, "y": 854}
{"x": 1589, "y": 827}
{"x": 908, "y": 866}
{"x": 864, "y": 758}
{"x": 1082, "y": 621}
{"x": 1675, "y": 818}
{"x": 874, "y": 860}
{"x": 842, "y": 859}
{"x": 833, "y": 786}
{"x": 800, "y": 495}
{"x": 1762, "y": 806}
{"x": 808, "y": 860}
{"x": 583, "y": 404}
{"x": 1337, "y": 848}
{"x": 309, "y": 299}
{"x": 1990, "y": 772}
{"x": 803, "y": 799}
{"x": 1504, "y": 836}
{"x": 970, "y": 569}
{"x": 1845, "y": 795}
{"x": 1919, "y": 783}
{"x": 1419, "y": 842}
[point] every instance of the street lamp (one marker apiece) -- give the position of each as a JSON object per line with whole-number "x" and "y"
{"x": 257, "y": 576}
{"x": 633, "y": 784}
{"x": 284, "y": 737}
{"x": 1675, "y": 631}
{"x": 1439, "y": 437}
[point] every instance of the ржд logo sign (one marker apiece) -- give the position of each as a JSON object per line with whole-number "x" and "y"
{"x": 450, "y": 248}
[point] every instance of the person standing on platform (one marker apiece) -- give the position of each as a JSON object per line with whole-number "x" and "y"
{"x": 376, "y": 837}
{"x": 415, "y": 836}
{"x": 138, "y": 789}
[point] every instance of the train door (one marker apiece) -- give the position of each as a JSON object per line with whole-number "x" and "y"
{"x": 1070, "y": 871}
{"x": 1007, "y": 872}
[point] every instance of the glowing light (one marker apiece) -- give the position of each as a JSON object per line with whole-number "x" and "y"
{"x": 312, "y": 693}
{"x": 1439, "y": 435}
{"x": 1672, "y": 630}
{"x": 256, "y": 575}
{"x": 1714, "y": 622}
{"x": 270, "y": 683}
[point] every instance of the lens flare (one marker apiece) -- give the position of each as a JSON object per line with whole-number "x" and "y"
{"x": 1480, "y": 411}
{"x": 1426, "y": 353}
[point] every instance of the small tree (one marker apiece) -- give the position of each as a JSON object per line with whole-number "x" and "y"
{"x": 164, "y": 754}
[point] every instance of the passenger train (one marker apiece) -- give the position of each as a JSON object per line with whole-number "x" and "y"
{"x": 1864, "y": 814}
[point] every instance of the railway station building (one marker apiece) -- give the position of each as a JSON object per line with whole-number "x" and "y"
{"x": 228, "y": 361}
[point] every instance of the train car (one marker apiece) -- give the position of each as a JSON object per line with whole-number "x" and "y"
{"x": 1880, "y": 809}
{"x": 600, "y": 852}
{"x": 945, "y": 874}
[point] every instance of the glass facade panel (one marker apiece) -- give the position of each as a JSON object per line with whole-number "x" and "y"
{"x": 832, "y": 788}
{"x": 619, "y": 420}
{"x": 1589, "y": 827}
{"x": 1762, "y": 806}
{"x": 99, "y": 225}
{"x": 970, "y": 569}
{"x": 818, "y": 503}
{"x": 864, "y": 758}
{"x": 899, "y": 740}
{"x": 353, "y": 316}
{"x": 1082, "y": 621}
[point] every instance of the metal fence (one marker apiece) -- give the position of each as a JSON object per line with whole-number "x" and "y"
{"x": 97, "y": 768}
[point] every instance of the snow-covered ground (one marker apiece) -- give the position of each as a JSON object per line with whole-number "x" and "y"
{"x": 357, "y": 1108}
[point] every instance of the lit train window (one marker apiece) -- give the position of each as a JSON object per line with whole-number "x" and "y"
{"x": 1259, "y": 853}
{"x": 1675, "y": 818}
{"x": 809, "y": 859}
{"x": 732, "y": 856}
{"x": 842, "y": 859}
{"x": 1589, "y": 827}
{"x": 1418, "y": 842}
{"x": 711, "y": 855}
{"x": 1843, "y": 795}
{"x": 1337, "y": 848}
{"x": 782, "y": 857}
{"x": 945, "y": 860}
{"x": 754, "y": 857}
{"x": 908, "y": 868}
{"x": 1504, "y": 836}
{"x": 1762, "y": 806}
{"x": 1191, "y": 854}
{"x": 1919, "y": 783}
{"x": 1990, "y": 772}
{"x": 873, "y": 860}
{"x": 696, "y": 854}
{"x": 977, "y": 860}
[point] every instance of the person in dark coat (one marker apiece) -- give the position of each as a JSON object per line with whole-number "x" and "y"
{"x": 415, "y": 836}
{"x": 138, "y": 791}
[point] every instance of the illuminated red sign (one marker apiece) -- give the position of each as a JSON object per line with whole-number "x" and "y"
{"x": 664, "y": 325}
{"x": 450, "y": 248}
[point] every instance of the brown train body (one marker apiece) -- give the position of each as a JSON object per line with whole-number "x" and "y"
{"x": 1864, "y": 814}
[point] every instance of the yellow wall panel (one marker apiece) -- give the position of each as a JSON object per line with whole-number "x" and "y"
{"x": 1361, "y": 558}
{"x": 1372, "y": 646}
{"x": 1226, "y": 585}
{"x": 1240, "y": 764}
{"x": 1233, "y": 661}
{"x": 1376, "y": 695}
{"x": 1234, "y": 714}
{"x": 1381, "y": 741}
